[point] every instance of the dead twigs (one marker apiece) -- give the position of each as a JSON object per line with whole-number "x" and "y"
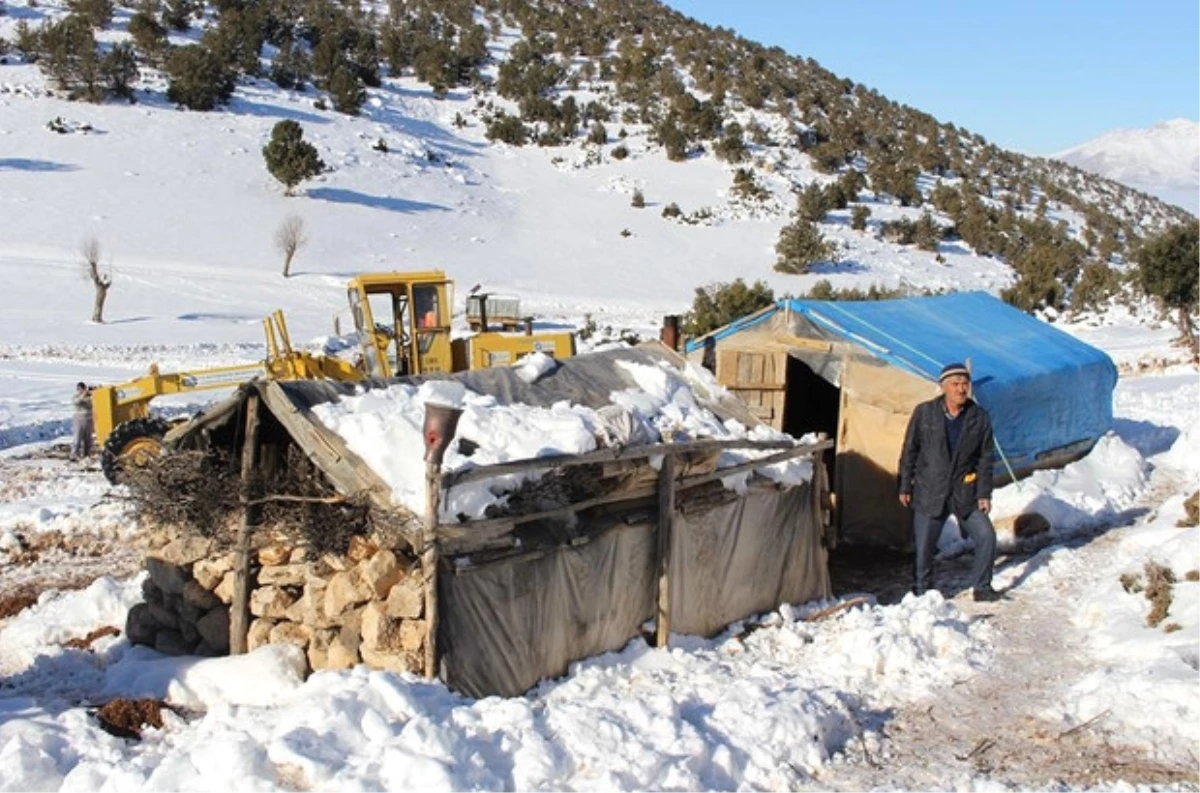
{"x": 838, "y": 607}
{"x": 1080, "y": 727}
{"x": 980, "y": 747}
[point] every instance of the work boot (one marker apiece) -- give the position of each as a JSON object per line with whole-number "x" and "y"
{"x": 986, "y": 594}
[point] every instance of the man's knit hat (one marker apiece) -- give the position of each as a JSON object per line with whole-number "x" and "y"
{"x": 951, "y": 369}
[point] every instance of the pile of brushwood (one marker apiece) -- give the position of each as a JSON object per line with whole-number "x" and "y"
{"x": 202, "y": 493}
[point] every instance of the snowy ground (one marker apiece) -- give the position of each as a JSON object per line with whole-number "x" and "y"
{"x": 1062, "y": 685}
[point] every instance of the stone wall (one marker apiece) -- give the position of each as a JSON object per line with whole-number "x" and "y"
{"x": 364, "y": 606}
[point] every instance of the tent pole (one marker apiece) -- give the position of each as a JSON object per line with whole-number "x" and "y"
{"x": 666, "y": 526}
{"x": 239, "y": 610}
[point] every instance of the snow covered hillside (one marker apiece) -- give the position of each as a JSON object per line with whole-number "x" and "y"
{"x": 1163, "y": 160}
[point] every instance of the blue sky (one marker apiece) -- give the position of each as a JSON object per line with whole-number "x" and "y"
{"x": 1037, "y": 77}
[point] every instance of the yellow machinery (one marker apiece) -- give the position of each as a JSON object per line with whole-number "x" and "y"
{"x": 130, "y": 435}
{"x": 403, "y": 325}
{"x": 408, "y": 317}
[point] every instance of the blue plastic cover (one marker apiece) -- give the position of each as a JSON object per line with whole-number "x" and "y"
{"x": 1044, "y": 389}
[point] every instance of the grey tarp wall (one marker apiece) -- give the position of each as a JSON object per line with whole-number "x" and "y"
{"x": 508, "y": 624}
{"x": 744, "y": 557}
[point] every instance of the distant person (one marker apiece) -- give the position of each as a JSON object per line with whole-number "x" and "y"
{"x": 81, "y": 444}
{"x": 426, "y": 300}
{"x": 946, "y": 467}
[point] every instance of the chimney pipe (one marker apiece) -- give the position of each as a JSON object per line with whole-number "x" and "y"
{"x": 669, "y": 335}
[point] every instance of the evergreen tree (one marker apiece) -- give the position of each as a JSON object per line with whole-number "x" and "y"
{"x": 927, "y": 233}
{"x": 290, "y": 68}
{"x": 237, "y": 39}
{"x": 1167, "y": 270}
{"x": 97, "y": 13}
{"x": 716, "y": 305}
{"x": 672, "y": 138}
{"x": 347, "y": 91}
{"x": 149, "y": 37}
{"x": 507, "y": 129}
{"x": 800, "y": 245}
{"x": 858, "y": 217}
{"x": 731, "y": 148}
{"x": 177, "y": 14}
{"x": 598, "y": 133}
{"x": 199, "y": 80}
{"x": 813, "y": 204}
{"x": 66, "y": 51}
{"x": 289, "y": 157}
{"x": 120, "y": 70}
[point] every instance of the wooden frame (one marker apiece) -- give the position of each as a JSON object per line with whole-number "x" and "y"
{"x": 492, "y": 533}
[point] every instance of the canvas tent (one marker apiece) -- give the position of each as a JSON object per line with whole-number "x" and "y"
{"x": 855, "y": 370}
{"x": 519, "y": 597}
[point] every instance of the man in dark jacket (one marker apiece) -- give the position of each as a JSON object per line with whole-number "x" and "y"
{"x": 946, "y": 467}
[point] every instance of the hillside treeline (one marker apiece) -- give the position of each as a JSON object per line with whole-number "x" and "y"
{"x": 577, "y": 73}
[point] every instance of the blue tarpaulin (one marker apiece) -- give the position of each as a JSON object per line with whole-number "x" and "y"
{"x": 1045, "y": 389}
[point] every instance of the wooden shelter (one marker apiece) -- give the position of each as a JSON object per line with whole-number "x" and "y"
{"x": 628, "y": 534}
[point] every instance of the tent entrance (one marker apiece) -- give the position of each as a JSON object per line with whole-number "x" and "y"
{"x": 811, "y": 403}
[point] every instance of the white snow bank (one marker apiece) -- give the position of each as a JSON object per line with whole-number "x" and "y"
{"x": 1146, "y": 690}
{"x": 384, "y": 427}
{"x": 262, "y": 678}
{"x": 1184, "y": 453}
{"x": 1084, "y": 494}
{"x": 766, "y": 710}
{"x": 58, "y": 617}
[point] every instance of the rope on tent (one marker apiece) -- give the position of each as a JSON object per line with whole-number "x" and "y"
{"x": 885, "y": 334}
{"x": 1011, "y": 476}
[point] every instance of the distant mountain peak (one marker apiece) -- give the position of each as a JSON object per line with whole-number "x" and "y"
{"x": 1162, "y": 160}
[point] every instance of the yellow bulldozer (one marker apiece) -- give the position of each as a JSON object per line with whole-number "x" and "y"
{"x": 402, "y": 321}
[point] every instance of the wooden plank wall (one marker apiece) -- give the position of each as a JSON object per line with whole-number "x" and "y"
{"x": 758, "y": 378}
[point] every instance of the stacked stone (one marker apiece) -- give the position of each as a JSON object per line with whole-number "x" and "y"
{"x": 366, "y": 606}
{"x": 186, "y": 593}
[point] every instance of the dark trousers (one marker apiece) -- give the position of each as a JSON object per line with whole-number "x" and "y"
{"x": 926, "y": 530}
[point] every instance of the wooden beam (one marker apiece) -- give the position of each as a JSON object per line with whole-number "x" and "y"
{"x": 463, "y": 537}
{"x": 607, "y": 454}
{"x": 666, "y": 525}
{"x": 750, "y": 465}
{"x": 239, "y": 609}
{"x": 429, "y": 563}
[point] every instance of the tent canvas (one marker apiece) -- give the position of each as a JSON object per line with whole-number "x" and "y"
{"x": 856, "y": 370}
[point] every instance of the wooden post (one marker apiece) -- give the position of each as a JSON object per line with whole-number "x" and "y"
{"x": 429, "y": 562}
{"x": 239, "y": 610}
{"x": 438, "y": 430}
{"x": 666, "y": 524}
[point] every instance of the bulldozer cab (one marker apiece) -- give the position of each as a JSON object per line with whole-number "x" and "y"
{"x": 403, "y": 322}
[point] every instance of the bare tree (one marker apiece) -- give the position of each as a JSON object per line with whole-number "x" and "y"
{"x": 289, "y": 238}
{"x": 90, "y": 249}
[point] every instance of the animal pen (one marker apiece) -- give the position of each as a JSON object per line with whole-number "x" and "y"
{"x": 640, "y": 536}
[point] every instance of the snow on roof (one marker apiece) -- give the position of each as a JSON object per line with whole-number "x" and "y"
{"x": 661, "y": 402}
